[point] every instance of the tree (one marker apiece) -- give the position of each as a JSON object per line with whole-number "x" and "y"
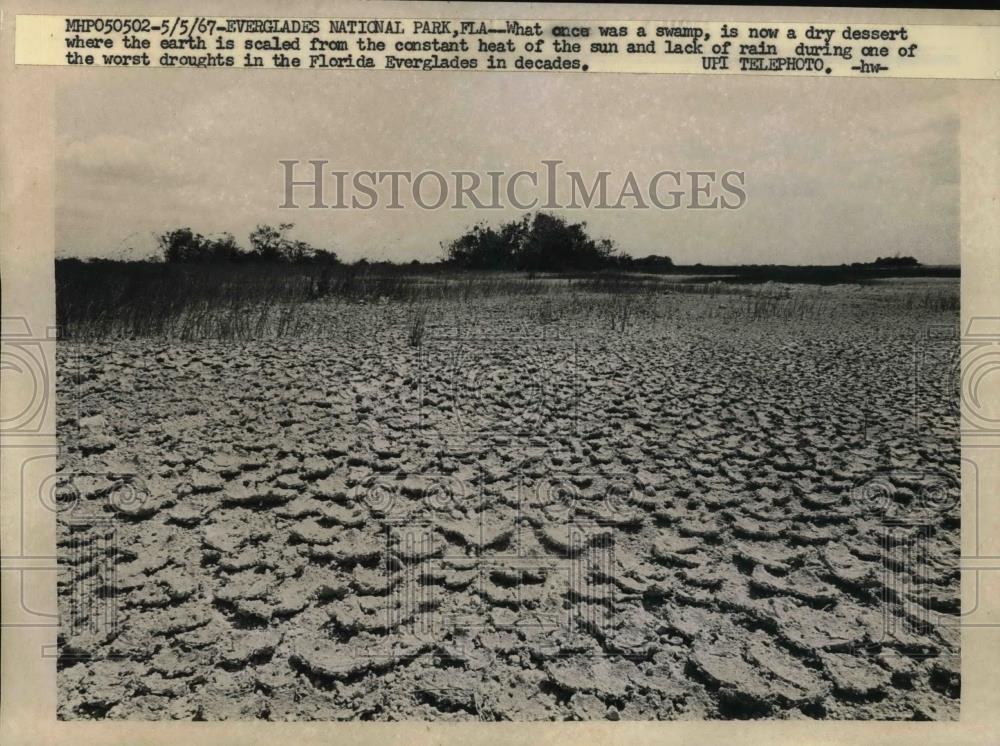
{"x": 184, "y": 245}
{"x": 181, "y": 245}
{"x": 325, "y": 256}
{"x": 896, "y": 261}
{"x": 485, "y": 247}
{"x": 223, "y": 249}
{"x": 540, "y": 242}
{"x": 266, "y": 242}
{"x": 273, "y": 244}
{"x": 650, "y": 263}
{"x": 554, "y": 245}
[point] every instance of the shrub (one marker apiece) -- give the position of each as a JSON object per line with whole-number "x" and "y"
{"x": 896, "y": 261}
{"x": 267, "y": 243}
{"x": 536, "y": 243}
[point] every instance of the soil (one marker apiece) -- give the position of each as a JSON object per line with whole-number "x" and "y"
{"x": 537, "y": 513}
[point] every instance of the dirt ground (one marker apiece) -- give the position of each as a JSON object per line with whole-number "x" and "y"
{"x": 677, "y": 505}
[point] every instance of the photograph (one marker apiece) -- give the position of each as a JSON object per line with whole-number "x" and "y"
{"x": 507, "y": 397}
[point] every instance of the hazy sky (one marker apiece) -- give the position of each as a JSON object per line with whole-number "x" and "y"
{"x": 836, "y": 170}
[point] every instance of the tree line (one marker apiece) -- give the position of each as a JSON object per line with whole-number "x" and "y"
{"x": 541, "y": 242}
{"x": 538, "y": 242}
{"x": 267, "y": 244}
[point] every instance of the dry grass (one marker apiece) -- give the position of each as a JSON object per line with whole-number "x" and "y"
{"x": 418, "y": 327}
{"x": 116, "y": 300}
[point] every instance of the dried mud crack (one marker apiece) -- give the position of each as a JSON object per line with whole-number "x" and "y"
{"x": 528, "y": 517}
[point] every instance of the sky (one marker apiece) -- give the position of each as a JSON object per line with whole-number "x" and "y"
{"x": 836, "y": 170}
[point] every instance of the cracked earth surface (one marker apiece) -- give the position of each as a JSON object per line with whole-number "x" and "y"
{"x": 530, "y": 516}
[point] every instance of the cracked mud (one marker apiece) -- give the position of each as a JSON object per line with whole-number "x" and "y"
{"x": 535, "y": 514}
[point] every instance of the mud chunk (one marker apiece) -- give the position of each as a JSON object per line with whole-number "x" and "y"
{"x": 204, "y": 481}
{"x": 228, "y": 536}
{"x": 178, "y": 584}
{"x": 633, "y": 632}
{"x": 342, "y": 515}
{"x": 644, "y": 478}
{"x": 415, "y": 486}
{"x": 619, "y": 516}
{"x": 176, "y": 619}
{"x": 802, "y": 534}
{"x": 171, "y": 663}
{"x": 244, "y": 586}
{"x": 300, "y": 507}
{"x": 311, "y": 532}
{"x": 137, "y": 503}
{"x": 332, "y": 660}
{"x": 514, "y": 595}
{"x": 632, "y": 583}
{"x": 664, "y": 676}
{"x": 772, "y": 496}
{"x": 160, "y": 686}
{"x": 946, "y": 676}
{"x": 246, "y": 559}
{"x": 855, "y": 676}
{"x": 842, "y": 629}
{"x": 457, "y": 579}
{"x": 564, "y": 538}
{"x": 748, "y": 528}
{"x": 94, "y": 436}
{"x": 449, "y": 691}
{"x": 516, "y": 695}
{"x": 333, "y": 487}
{"x": 92, "y": 486}
{"x": 256, "y": 493}
{"x": 717, "y": 499}
{"x": 710, "y": 577}
{"x": 99, "y": 697}
{"x": 903, "y": 672}
{"x": 228, "y": 465}
{"x": 229, "y": 696}
{"x": 769, "y": 555}
{"x": 821, "y": 501}
{"x": 494, "y": 473}
{"x": 289, "y": 482}
{"x": 351, "y": 546}
{"x": 336, "y": 448}
{"x": 374, "y": 581}
{"x": 752, "y": 672}
{"x": 240, "y": 649}
{"x": 600, "y": 676}
{"x": 474, "y": 532}
{"x": 367, "y": 614}
{"x": 691, "y": 621}
{"x": 708, "y": 528}
{"x": 202, "y": 637}
{"x": 845, "y": 568}
{"x": 587, "y": 707}
{"x": 85, "y": 644}
{"x": 185, "y": 515}
{"x": 680, "y": 551}
{"x": 413, "y": 546}
{"x": 802, "y": 584}
{"x": 315, "y": 467}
